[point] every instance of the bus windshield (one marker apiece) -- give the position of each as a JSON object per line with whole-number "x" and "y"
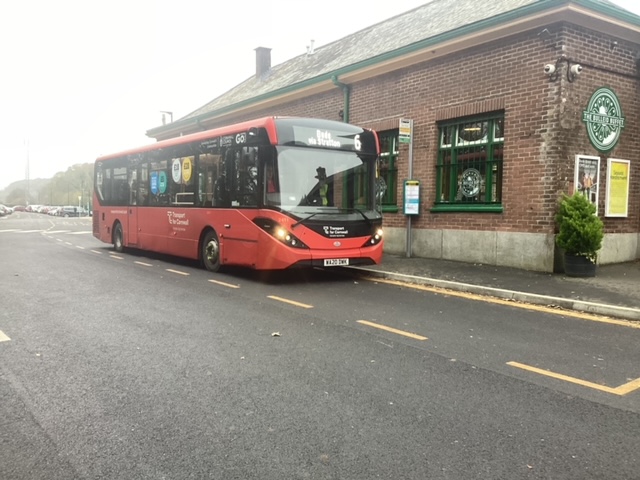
{"x": 308, "y": 181}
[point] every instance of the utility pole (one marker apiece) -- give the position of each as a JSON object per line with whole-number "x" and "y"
{"x": 26, "y": 195}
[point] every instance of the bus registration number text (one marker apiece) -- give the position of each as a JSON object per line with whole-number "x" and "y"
{"x": 335, "y": 262}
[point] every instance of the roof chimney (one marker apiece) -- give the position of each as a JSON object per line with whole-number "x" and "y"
{"x": 263, "y": 61}
{"x": 310, "y": 50}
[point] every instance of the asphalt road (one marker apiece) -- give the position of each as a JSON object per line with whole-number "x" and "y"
{"x": 137, "y": 366}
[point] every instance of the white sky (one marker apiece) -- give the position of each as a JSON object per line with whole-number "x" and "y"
{"x": 82, "y": 78}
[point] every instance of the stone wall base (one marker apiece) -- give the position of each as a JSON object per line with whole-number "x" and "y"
{"x": 528, "y": 251}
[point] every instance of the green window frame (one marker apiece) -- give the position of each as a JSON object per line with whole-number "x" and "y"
{"x": 388, "y": 168}
{"x": 470, "y": 164}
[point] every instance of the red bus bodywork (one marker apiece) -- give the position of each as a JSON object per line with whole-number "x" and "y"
{"x": 260, "y": 236}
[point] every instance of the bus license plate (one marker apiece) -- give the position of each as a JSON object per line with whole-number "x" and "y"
{"x": 335, "y": 262}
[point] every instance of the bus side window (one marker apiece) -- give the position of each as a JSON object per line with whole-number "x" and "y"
{"x": 143, "y": 181}
{"x": 222, "y": 189}
{"x": 247, "y": 173}
{"x": 207, "y": 168}
{"x": 221, "y": 196}
{"x": 120, "y": 186}
{"x": 133, "y": 185}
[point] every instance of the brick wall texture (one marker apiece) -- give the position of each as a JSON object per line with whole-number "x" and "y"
{"x": 543, "y": 121}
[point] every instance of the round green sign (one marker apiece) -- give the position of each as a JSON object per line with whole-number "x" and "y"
{"x": 604, "y": 119}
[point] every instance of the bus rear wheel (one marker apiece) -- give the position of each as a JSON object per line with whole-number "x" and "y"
{"x": 118, "y": 238}
{"x": 210, "y": 251}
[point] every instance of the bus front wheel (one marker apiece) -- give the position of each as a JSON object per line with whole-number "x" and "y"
{"x": 210, "y": 253}
{"x": 118, "y": 238}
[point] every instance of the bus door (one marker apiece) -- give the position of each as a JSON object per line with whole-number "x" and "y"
{"x": 132, "y": 213}
{"x": 239, "y": 235}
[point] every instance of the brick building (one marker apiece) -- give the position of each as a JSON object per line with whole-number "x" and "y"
{"x": 511, "y": 105}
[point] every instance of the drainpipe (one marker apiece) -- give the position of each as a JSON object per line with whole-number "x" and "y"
{"x": 346, "y": 89}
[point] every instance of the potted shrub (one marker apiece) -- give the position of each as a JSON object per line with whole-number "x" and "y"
{"x": 580, "y": 234}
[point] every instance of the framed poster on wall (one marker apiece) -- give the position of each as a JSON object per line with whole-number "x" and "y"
{"x": 617, "y": 197}
{"x": 586, "y": 179}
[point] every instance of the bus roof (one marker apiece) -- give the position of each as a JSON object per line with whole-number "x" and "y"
{"x": 266, "y": 122}
{"x": 269, "y": 123}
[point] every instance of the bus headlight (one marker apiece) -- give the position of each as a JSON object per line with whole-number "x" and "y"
{"x": 279, "y": 232}
{"x": 374, "y": 239}
{"x": 288, "y": 238}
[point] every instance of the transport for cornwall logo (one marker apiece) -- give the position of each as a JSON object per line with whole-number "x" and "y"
{"x": 604, "y": 119}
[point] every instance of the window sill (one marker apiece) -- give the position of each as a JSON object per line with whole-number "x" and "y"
{"x": 445, "y": 208}
{"x": 390, "y": 209}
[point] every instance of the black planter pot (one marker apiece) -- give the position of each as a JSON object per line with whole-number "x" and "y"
{"x": 578, "y": 266}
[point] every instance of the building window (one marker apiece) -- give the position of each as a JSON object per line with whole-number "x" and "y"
{"x": 469, "y": 168}
{"x": 389, "y": 169}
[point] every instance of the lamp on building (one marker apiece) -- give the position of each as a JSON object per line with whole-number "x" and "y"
{"x": 553, "y": 70}
{"x": 574, "y": 71}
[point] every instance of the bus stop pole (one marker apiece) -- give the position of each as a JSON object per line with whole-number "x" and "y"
{"x": 410, "y": 175}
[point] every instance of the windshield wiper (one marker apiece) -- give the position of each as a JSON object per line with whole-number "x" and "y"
{"x": 368, "y": 220}
{"x": 302, "y": 220}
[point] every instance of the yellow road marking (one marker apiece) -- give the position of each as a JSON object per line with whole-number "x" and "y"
{"x": 225, "y": 284}
{"x": 143, "y": 264}
{"x": 178, "y": 272}
{"x": 621, "y": 390}
{"x": 511, "y": 303}
{"x": 393, "y": 330}
{"x": 297, "y": 304}
{"x": 3, "y": 337}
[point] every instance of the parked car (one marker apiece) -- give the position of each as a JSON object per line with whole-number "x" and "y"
{"x": 68, "y": 211}
{"x": 4, "y": 210}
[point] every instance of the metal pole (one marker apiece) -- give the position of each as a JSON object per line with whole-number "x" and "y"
{"x": 410, "y": 174}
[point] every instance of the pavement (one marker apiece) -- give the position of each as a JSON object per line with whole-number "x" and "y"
{"x": 613, "y": 292}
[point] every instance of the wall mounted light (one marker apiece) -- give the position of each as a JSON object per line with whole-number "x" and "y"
{"x": 574, "y": 71}
{"x": 553, "y": 71}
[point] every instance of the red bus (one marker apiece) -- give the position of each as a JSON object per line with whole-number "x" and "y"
{"x": 268, "y": 194}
